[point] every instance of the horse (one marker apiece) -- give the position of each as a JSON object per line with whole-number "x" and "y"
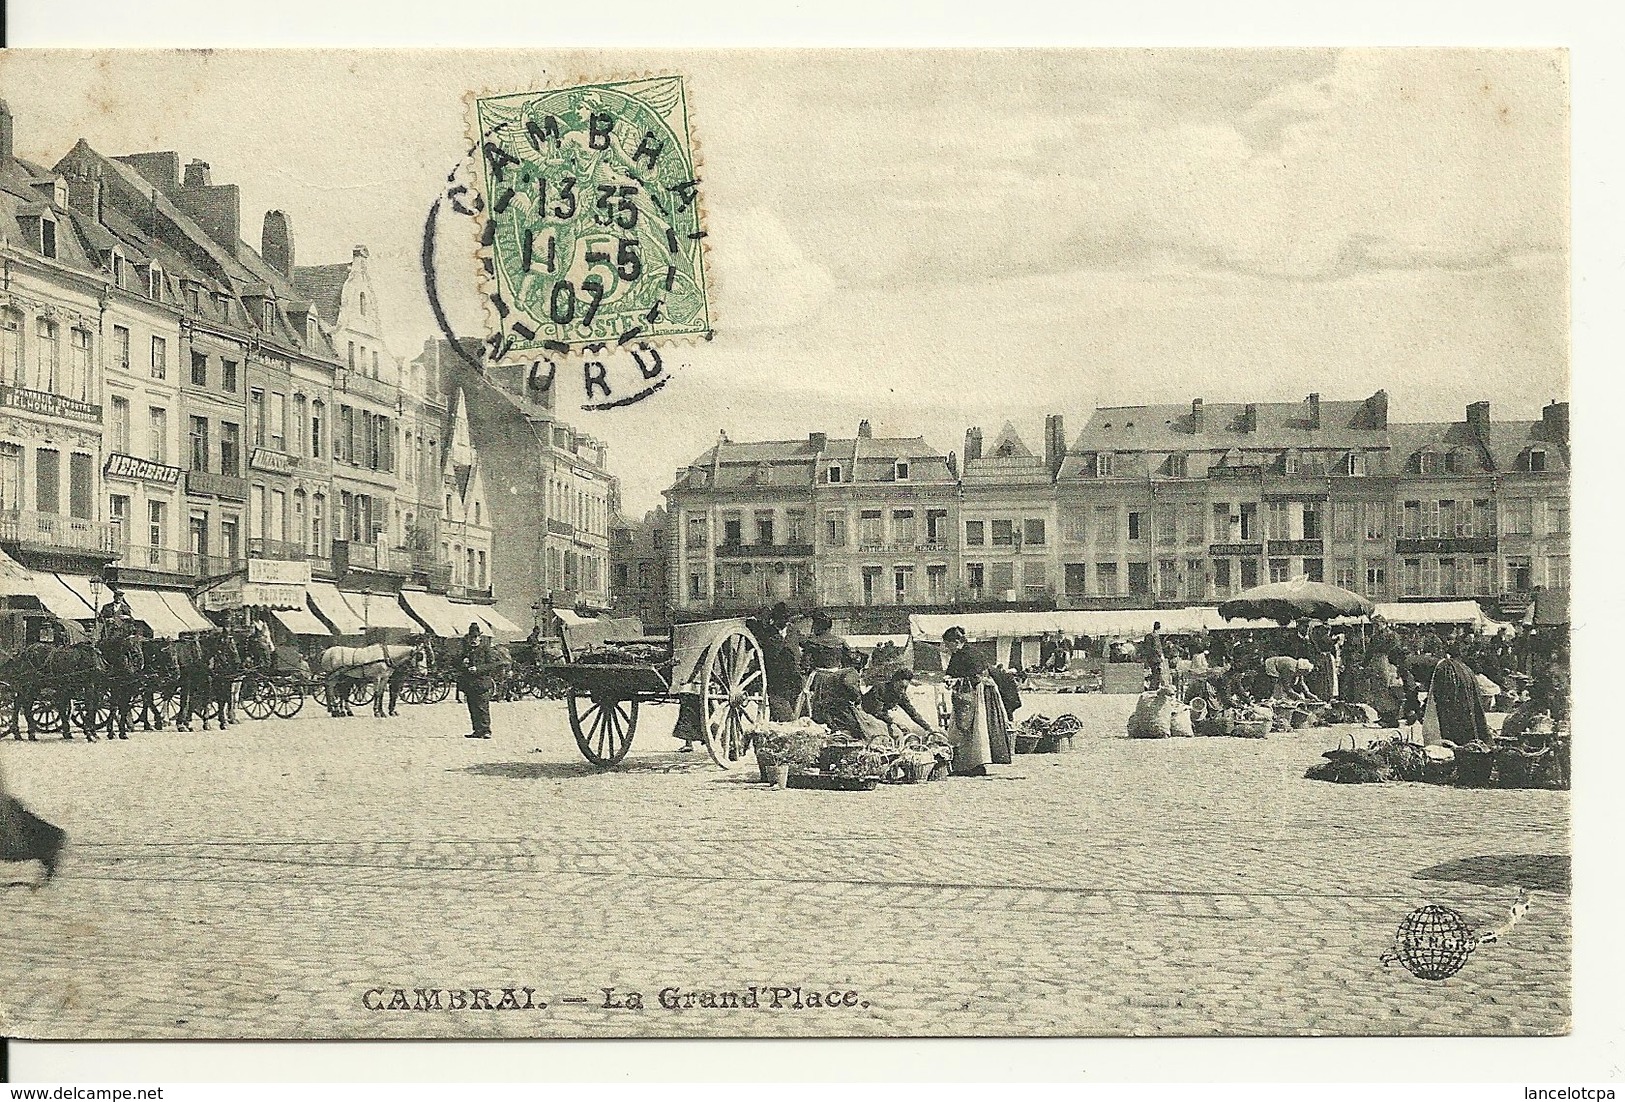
{"x": 163, "y": 675}
{"x": 193, "y": 652}
{"x": 59, "y": 674}
{"x": 125, "y": 679}
{"x": 338, "y": 666}
{"x": 225, "y": 667}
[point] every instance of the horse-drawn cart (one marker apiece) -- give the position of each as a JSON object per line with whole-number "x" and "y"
{"x": 712, "y": 669}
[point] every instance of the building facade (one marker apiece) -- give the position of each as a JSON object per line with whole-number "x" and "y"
{"x": 174, "y": 403}
{"x": 639, "y": 573}
{"x": 1149, "y": 506}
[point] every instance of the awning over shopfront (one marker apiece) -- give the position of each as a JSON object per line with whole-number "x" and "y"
{"x": 301, "y": 622}
{"x": 487, "y": 617}
{"x": 185, "y": 611}
{"x": 328, "y": 603}
{"x": 381, "y": 610}
{"x": 1433, "y": 612}
{"x": 435, "y": 611}
{"x": 81, "y": 587}
{"x": 59, "y": 599}
{"x": 15, "y": 579}
{"x": 151, "y": 609}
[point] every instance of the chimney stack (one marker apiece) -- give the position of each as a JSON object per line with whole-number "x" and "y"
{"x": 1054, "y": 443}
{"x": 1555, "y": 420}
{"x": 276, "y": 241}
{"x": 1249, "y": 417}
{"x": 7, "y": 134}
{"x": 1313, "y": 403}
{"x": 1478, "y": 419}
{"x": 1375, "y": 413}
{"x": 197, "y": 174}
{"x": 818, "y": 441}
{"x": 85, "y": 194}
{"x": 953, "y": 465}
{"x": 864, "y": 431}
{"x": 1198, "y": 418}
{"x": 161, "y": 170}
{"x": 973, "y": 445}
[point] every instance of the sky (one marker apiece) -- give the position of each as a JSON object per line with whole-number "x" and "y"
{"x": 938, "y": 239}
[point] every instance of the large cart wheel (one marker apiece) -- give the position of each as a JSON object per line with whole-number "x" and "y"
{"x": 733, "y": 697}
{"x": 44, "y": 715}
{"x": 95, "y": 716}
{"x": 603, "y": 727}
{"x": 438, "y": 691}
{"x": 167, "y": 703}
{"x": 258, "y": 698}
{"x": 362, "y": 693}
{"x": 288, "y": 697}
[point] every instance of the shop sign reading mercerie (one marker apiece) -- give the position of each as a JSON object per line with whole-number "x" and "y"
{"x": 278, "y": 572}
{"x": 269, "y": 459}
{"x": 120, "y": 465}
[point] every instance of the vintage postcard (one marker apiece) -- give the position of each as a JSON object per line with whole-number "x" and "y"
{"x": 784, "y": 543}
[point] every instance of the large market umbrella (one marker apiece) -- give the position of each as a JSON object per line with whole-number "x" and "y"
{"x": 1299, "y": 599}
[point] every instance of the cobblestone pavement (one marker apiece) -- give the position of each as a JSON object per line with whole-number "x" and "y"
{"x": 260, "y": 882}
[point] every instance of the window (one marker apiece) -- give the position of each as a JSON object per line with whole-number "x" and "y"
{"x": 277, "y": 418}
{"x": 1289, "y": 466}
{"x": 1106, "y": 530}
{"x": 1249, "y": 523}
{"x": 1313, "y": 513}
{"x": 375, "y": 375}
{"x": 1195, "y": 526}
{"x": 81, "y": 486}
{"x": 300, "y": 536}
{"x": 1410, "y": 578}
{"x": 1074, "y": 525}
{"x": 1176, "y": 466}
{"x": 1557, "y": 571}
{"x": 1427, "y": 462}
{"x": 11, "y": 346}
{"x": 228, "y": 376}
{"x": 900, "y": 470}
{"x": 1430, "y": 576}
{"x": 1167, "y": 523}
{"x": 194, "y": 298}
{"x": 342, "y": 437}
{"x": 795, "y": 525}
{"x": 834, "y": 472}
{"x": 200, "y": 443}
{"x": 317, "y": 411}
{"x": 1167, "y": 578}
{"x": 1315, "y": 569}
{"x": 47, "y": 237}
{"x": 1481, "y": 577}
{"x": 1353, "y": 464}
{"x": 1196, "y": 578}
{"x": 1001, "y": 578}
{"x": 1103, "y": 464}
{"x": 1376, "y": 520}
{"x": 1280, "y": 520}
{"x": 1136, "y": 526}
{"x": 976, "y": 580}
{"x": 903, "y": 585}
{"x": 1004, "y": 533}
{"x": 1249, "y": 573}
{"x": 869, "y": 528}
{"x": 318, "y": 525}
{"x": 276, "y": 525}
{"x": 79, "y": 364}
{"x": 764, "y": 527}
{"x": 871, "y": 583}
{"x": 1221, "y": 577}
{"x": 1279, "y": 570}
{"x": 1537, "y": 459}
{"x": 696, "y": 587}
{"x": 1139, "y": 579}
{"x": 1106, "y": 579}
{"x": 230, "y": 545}
{"x": 936, "y": 584}
{"x": 156, "y": 534}
{"x": 902, "y": 529}
{"x": 1376, "y": 581}
{"x": 230, "y": 448}
{"x": 695, "y": 531}
{"x": 1447, "y": 577}
{"x": 975, "y": 533}
{"x": 1343, "y": 574}
{"x": 158, "y": 434}
{"x": 363, "y": 301}
{"x": 119, "y": 423}
{"x": 1557, "y": 516}
{"x": 732, "y": 530}
{"x": 835, "y": 529}
{"x": 301, "y": 424}
{"x": 1517, "y": 516}
{"x": 1032, "y": 532}
{"x": 49, "y": 376}
{"x": 256, "y": 417}
{"x": 200, "y": 369}
{"x": 47, "y": 480}
{"x": 1035, "y": 578}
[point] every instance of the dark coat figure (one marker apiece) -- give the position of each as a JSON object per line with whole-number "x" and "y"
{"x": 193, "y": 659}
{"x": 24, "y": 836}
{"x": 889, "y": 696}
{"x": 1454, "y": 702}
{"x": 163, "y": 676}
{"x": 980, "y": 730}
{"x": 126, "y": 678}
{"x": 781, "y": 660}
{"x": 480, "y": 664}
{"x": 1155, "y": 656}
{"x": 225, "y": 667}
{"x": 1009, "y": 691}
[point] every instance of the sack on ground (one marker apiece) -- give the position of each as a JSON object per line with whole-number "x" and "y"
{"x": 1153, "y": 716}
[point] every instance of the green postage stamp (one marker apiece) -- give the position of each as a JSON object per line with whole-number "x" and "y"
{"x": 592, "y": 229}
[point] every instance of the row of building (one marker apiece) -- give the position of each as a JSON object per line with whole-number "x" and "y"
{"x": 176, "y": 404}
{"x": 1149, "y": 505}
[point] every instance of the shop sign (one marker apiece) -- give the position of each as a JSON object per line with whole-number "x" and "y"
{"x": 1218, "y": 549}
{"x": 279, "y": 572}
{"x": 273, "y": 596}
{"x": 218, "y": 598}
{"x": 51, "y": 405}
{"x": 120, "y": 465}
{"x": 269, "y": 459}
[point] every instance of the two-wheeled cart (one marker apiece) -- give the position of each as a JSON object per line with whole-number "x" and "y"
{"x": 713, "y": 670}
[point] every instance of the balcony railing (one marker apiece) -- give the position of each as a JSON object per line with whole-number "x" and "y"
{"x": 470, "y": 592}
{"x": 379, "y": 391}
{"x": 57, "y": 532}
{"x": 170, "y": 560}
{"x": 282, "y": 550}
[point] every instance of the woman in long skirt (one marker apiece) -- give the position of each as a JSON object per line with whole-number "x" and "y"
{"x": 1454, "y": 712}
{"x": 980, "y": 731}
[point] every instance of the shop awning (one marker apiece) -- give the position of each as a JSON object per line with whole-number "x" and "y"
{"x": 15, "y": 579}
{"x": 381, "y": 610}
{"x": 301, "y": 622}
{"x": 61, "y": 600}
{"x": 486, "y": 616}
{"x": 81, "y": 587}
{"x": 185, "y": 611}
{"x": 150, "y": 608}
{"x": 435, "y": 611}
{"x": 328, "y": 603}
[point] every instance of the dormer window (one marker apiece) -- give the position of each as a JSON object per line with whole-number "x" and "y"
{"x": 47, "y": 236}
{"x": 1176, "y": 466}
{"x": 1354, "y": 464}
{"x": 194, "y": 298}
{"x": 120, "y": 273}
{"x": 900, "y": 470}
{"x": 310, "y": 330}
{"x": 155, "y": 283}
{"x": 1537, "y": 460}
{"x": 1103, "y": 464}
{"x": 267, "y": 314}
{"x": 1427, "y": 462}
{"x": 834, "y": 473}
{"x": 363, "y": 298}
{"x": 1289, "y": 463}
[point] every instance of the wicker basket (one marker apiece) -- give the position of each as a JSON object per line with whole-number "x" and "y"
{"x": 1251, "y": 728}
{"x": 1475, "y": 766}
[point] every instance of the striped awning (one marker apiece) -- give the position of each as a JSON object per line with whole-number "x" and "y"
{"x": 185, "y": 611}
{"x": 436, "y": 613}
{"x": 59, "y": 599}
{"x": 301, "y": 622}
{"x": 151, "y": 609}
{"x": 381, "y": 610}
{"x": 15, "y": 579}
{"x": 487, "y": 616}
{"x": 328, "y": 603}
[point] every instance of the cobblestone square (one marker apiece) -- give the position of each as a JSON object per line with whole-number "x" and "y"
{"x": 283, "y": 879}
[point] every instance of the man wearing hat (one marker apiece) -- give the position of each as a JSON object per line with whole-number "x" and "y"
{"x": 480, "y": 663}
{"x": 781, "y": 659}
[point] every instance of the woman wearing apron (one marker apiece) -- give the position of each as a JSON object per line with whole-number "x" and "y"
{"x": 980, "y": 731}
